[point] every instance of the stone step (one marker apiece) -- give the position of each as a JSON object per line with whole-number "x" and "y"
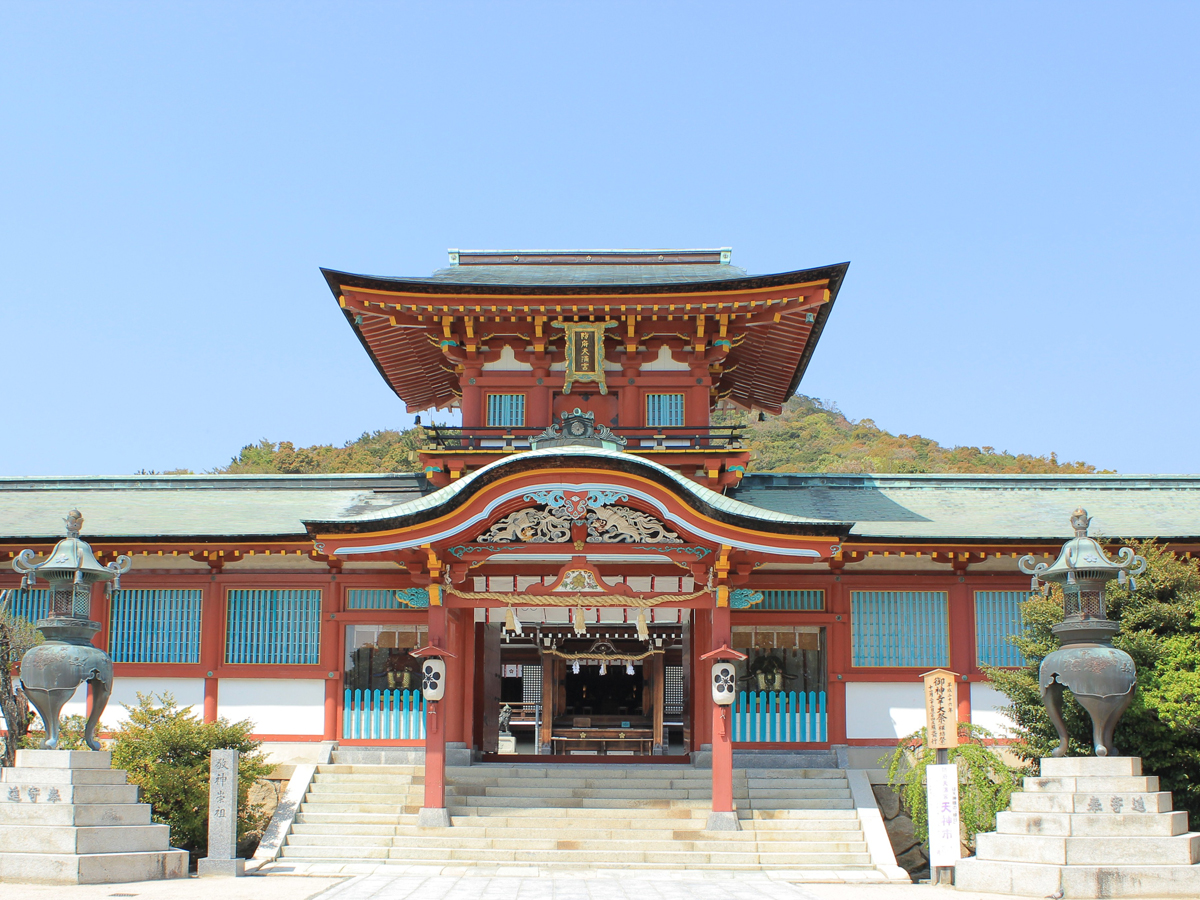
{"x": 63, "y": 759}
{"x": 1110, "y": 825}
{"x": 58, "y": 776}
{"x": 540, "y": 784}
{"x": 94, "y": 868}
{"x": 376, "y": 798}
{"x": 308, "y": 816}
{"x": 548, "y": 796}
{"x": 387, "y": 809}
{"x": 1086, "y": 784}
{"x": 337, "y": 778}
{"x": 1179, "y": 850}
{"x": 800, "y": 793}
{"x": 357, "y": 787}
{"x": 1069, "y": 766}
{"x": 107, "y": 794}
{"x": 784, "y": 818}
{"x": 1116, "y": 802}
{"x": 586, "y": 814}
{"x": 65, "y": 814}
{"x": 1037, "y": 880}
{"x": 88, "y": 839}
{"x": 361, "y": 769}
{"x": 584, "y": 803}
{"x": 782, "y": 805}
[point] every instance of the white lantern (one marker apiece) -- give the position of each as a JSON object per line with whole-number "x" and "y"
{"x": 433, "y": 678}
{"x": 724, "y": 677}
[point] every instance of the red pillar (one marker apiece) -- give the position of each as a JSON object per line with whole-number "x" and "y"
{"x": 212, "y": 643}
{"x": 332, "y": 632}
{"x": 100, "y": 612}
{"x": 435, "y": 721}
{"x": 838, "y": 649}
{"x": 962, "y": 641}
{"x": 722, "y": 726}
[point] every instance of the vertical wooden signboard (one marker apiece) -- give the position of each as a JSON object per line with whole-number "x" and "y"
{"x": 941, "y": 733}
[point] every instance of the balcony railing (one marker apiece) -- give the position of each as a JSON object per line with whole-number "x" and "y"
{"x": 439, "y": 438}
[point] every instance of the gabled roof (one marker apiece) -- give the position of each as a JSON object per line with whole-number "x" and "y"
{"x": 777, "y": 318}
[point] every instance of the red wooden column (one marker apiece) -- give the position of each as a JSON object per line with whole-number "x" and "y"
{"x": 433, "y": 812}
{"x": 332, "y": 656}
{"x": 962, "y": 640}
{"x": 723, "y": 817}
{"x": 212, "y": 642}
{"x": 838, "y": 649}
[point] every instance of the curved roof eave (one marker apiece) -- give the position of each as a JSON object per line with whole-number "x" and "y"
{"x": 833, "y": 273}
{"x": 700, "y": 498}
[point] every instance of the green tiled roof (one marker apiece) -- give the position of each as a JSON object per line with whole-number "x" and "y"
{"x": 911, "y": 507}
{"x": 975, "y": 507}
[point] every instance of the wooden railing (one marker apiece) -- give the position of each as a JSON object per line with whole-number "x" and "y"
{"x": 779, "y": 717}
{"x": 384, "y": 715}
{"x": 442, "y": 438}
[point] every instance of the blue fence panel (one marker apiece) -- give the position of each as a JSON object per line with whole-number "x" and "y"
{"x": 997, "y": 618}
{"x": 372, "y": 599}
{"x": 273, "y": 627}
{"x": 793, "y": 600}
{"x": 779, "y": 717}
{"x": 900, "y": 628}
{"x": 383, "y": 715}
{"x": 155, "y": 626}
{"x": 30, "y": 604}
{"x": 664, "y": 410}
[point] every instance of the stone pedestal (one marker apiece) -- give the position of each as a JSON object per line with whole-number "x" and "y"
{"x": 507, "y": 744}
{"x": 68, "y": 817}
{"x": 1090, "y": 827}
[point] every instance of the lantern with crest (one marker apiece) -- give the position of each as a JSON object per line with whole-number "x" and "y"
{"x": 1101, "y": 677}
{"x": 51, "y": 671}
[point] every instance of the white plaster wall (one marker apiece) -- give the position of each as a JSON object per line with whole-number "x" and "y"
{"x": 186, "y": 691}
{"x": 884, "y": 709}
{"x": 986, "y": 703}
{"x": 274, "y": 705}
{"x": 76, "y": 706}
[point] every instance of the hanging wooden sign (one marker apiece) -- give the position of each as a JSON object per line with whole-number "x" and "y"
{"x": 585, "y": 353}
{"x": 941, "y": 709}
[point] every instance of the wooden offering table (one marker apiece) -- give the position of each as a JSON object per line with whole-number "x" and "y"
{"x": 603, "y": 735}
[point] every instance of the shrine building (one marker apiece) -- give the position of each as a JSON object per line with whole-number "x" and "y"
{"x": 584, "y": 545}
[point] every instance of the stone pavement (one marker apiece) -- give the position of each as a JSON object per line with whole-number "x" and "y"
{"x": 510, "y": 883}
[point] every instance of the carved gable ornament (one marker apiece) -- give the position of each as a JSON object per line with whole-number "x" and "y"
{"x": 578, "y": 428}
{"x": 606, "y": 522}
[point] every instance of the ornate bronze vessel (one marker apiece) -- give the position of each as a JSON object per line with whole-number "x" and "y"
{"x": 51, "y": 671}
{"x": 1101, "y": 677}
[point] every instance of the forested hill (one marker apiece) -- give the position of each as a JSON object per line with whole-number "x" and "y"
{"x": 810, "y": 436}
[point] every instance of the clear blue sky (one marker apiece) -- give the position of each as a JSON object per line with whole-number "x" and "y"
{"x": 1015, "y": 185}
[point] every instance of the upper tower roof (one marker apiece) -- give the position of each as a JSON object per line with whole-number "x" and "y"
{"x": 763, "y": 327}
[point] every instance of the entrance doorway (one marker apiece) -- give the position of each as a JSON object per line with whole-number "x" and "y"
{"x": 560, "y": 691}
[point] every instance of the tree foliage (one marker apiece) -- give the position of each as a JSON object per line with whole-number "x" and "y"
{"x": 376, "y": 451}
{"x": 166, "y": 751}
{"x": 17, "y": 635}
{"x": 1160, "y": 629}
{"x": 985, "y": 782}
{"x": 810, "y": 436}
{"x": 814, "y": 436}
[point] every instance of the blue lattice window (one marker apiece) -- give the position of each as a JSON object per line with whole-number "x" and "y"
{"x": 900, "y": 628}
{"x": 30, "y": 604}
{"x": 791, "y": 600}
{"x": 506, "y": 410}
{"x": 997, "y": 618}
{"x": 664, "y": 410}
{"x": 266, "y": 627}
{"x": 155, "y": 626}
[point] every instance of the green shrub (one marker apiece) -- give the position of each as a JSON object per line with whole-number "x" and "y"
{"x": 166, "y": 750}
{"x": 985, "y": 781}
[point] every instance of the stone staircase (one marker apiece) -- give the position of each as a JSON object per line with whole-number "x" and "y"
{"x": 632, "y": 816}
